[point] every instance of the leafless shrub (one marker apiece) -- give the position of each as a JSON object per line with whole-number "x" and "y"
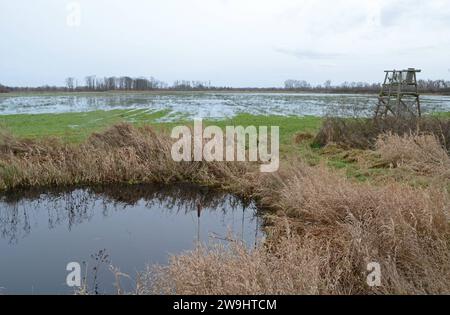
{"x": 362, "y": 133}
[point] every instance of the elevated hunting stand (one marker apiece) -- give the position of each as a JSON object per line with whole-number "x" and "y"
{"x": 399, "y": 95}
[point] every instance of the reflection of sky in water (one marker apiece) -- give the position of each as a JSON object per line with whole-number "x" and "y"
{"x": 209, "y": 105}
{"x": 42, "y": 232}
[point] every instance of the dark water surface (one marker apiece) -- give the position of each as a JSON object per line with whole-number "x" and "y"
{"x": 41, "y": 232}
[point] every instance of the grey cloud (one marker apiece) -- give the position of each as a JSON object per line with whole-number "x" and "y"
{"x": 426, "y": 49}
{"x": 415, "y": 10}
{"x": 309, "y": 54}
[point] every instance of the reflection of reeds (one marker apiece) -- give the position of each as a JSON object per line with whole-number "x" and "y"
{"x": 176, "y": 197}
{"x": 76, "y": 206}
{"x": 73, "y": 207}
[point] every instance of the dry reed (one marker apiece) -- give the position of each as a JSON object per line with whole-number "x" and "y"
{"x": 422, "y": 154}
{"x": 122, "y": 154}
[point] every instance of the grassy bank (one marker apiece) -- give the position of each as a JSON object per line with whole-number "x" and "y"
{"x": 74, "y": 128}
{"x": 296, "y": 135}
{"x": 323, "y": 227}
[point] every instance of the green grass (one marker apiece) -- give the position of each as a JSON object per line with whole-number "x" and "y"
{"x": 289, "y": 125}
{"x": 72, "y": 127}
{"x": 75, "y": 127}
{"x": 441, "y": 114}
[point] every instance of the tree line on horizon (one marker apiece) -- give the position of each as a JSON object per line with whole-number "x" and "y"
{"x": 95, "y": 84}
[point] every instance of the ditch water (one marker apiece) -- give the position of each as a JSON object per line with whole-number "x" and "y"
{"x": 41, "y": 232}
{"x": 207, "y": 105}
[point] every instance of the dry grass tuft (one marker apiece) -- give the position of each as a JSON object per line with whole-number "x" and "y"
{"x": 235, "y": 269}
{"x": 422, "y": 154}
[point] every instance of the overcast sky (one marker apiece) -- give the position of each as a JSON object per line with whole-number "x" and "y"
{"x": 230, "y": 42}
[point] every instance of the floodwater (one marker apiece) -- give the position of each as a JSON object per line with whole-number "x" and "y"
{"x": 128, "y": 227}
{"x": 206, "y": 104}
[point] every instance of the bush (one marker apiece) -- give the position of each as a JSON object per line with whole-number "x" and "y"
{"x": 363, "y": 133}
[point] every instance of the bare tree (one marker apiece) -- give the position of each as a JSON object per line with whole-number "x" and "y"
{"x": 70, "y": 83}
{"x": 90, "y": 82}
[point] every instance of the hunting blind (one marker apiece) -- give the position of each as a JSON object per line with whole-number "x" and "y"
{"x": 399, "y": 96}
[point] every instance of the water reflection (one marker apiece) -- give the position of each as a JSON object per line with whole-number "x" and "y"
{"x": 73, "y": 207}
{"x": 135, "y": 224}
